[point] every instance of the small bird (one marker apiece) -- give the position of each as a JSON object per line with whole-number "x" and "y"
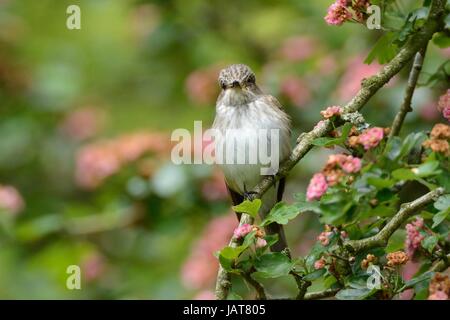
{"x": 242, "y": 106}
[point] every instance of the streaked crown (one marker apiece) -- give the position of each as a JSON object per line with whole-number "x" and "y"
{"x": 236, "y": 75}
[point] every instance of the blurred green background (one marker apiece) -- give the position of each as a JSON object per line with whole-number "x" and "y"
{"x": 85, "y": 123}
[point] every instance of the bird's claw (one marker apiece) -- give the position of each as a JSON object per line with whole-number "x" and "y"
{"x": 250, "y": 195}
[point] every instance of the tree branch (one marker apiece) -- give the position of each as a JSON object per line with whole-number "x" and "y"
{"x": 411, "y": 86}
{"x": 223, "y": 282}
{"x": 368, "y": 88}
{"x": 321, "y": 294}
{"x": 382, "y": 237}
{"x": 260, "y": 293}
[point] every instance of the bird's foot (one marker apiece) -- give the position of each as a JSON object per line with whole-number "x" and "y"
{"x": 250, "y": 195}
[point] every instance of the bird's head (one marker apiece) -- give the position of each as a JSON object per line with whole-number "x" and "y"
{"x": 238, "y": 84}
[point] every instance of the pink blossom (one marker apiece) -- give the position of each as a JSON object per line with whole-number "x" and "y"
{"x": 319, "y": 264}
{"x": 444, "y": 101}
{"x": 331, "y": 111}
{"x": 371, "y": 137}
{"x": 200, "y": 269}
{"x": 261, "y": 243}
{"x": 317, "y": 187}
{"x": 242, "y": 230}
{"x": 438, "y": 295}
{"x": 338, "y": 13}
{"x": 413, "y": 236}
{"x": 10, "y": 200}
{"x": 351, "y": 164}
{"x": 296, "y": 90}
{"x": 324, "y": 238}
{"x": 446, "y": 113}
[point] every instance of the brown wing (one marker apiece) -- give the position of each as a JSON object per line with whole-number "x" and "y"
{"x": 280, "y": 190}
{"x": 236, "y": 199}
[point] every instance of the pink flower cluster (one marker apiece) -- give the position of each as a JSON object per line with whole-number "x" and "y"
{"x": 438, "y": 295}
{"x": 337, "y": 166}
{"x": 317, "y": 187}
{"x": 242, "y": 230}
{"x": 371, "y": 137}
{"x": 319, "y": 264}
{"x": 200, "y": 269}
{"x": 331, "y": 112}
{"x": 348, "y": 163}
{"x": 324, "y": 237}
{"x": 338, "y": 13}
{"x": 444, "y": 105}
{"x": 10, "y": 200}
{"x": 95, "y": 162}
{"x": 413, "y": 236}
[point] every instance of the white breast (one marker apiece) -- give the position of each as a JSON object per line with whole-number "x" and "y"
{"x": 248, "y": 119}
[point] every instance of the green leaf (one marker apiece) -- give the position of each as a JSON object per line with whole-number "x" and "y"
{"x": 412, "y": 140}
{"x": 234, "y": 296}
{"x": 272, "y": 265}
{"x": 429, "y": 243}
{"x": 423, "y": 277}
{"x": 355, "y": 294}
{"x": 439, "y": 217}
{"x": 443, "y": 202}
{"x": 403, "y": 174}
{"x": 384, "y": 49}
{"x": 315, "y": 274}
{"x": 228, "y": 255}
{"x": 427, "y": 169}
{"x": 396, "y": 241}
{"x": 249, "y": 207}
{"x": 281, "y": 213}
{"x": 380, "y": 183}
{"x": 441, "y": 40}
{"x": 328, "y": 142}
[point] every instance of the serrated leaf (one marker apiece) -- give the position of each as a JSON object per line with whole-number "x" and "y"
{"x": 272, "y": 265}
{"x": 249, "y": 207}
{"x": 281, "y": 213}
{"x": 384, "y": 49}
{"x": 380, "y": 183}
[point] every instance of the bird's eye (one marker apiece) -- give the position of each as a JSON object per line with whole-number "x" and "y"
{"x": 251, "y": 79}
{"x": 222, "y": 84}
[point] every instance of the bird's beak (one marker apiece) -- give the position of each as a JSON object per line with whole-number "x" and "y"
{"x": 236, "y": 85}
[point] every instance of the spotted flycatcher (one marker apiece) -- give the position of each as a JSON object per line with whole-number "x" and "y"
{"x": 253, "y": 116}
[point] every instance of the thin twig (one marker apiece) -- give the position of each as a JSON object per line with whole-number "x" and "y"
{"x": 409, "y": 91}
{"x": 260, "y": 293}
{"x": 406, "y": 210}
